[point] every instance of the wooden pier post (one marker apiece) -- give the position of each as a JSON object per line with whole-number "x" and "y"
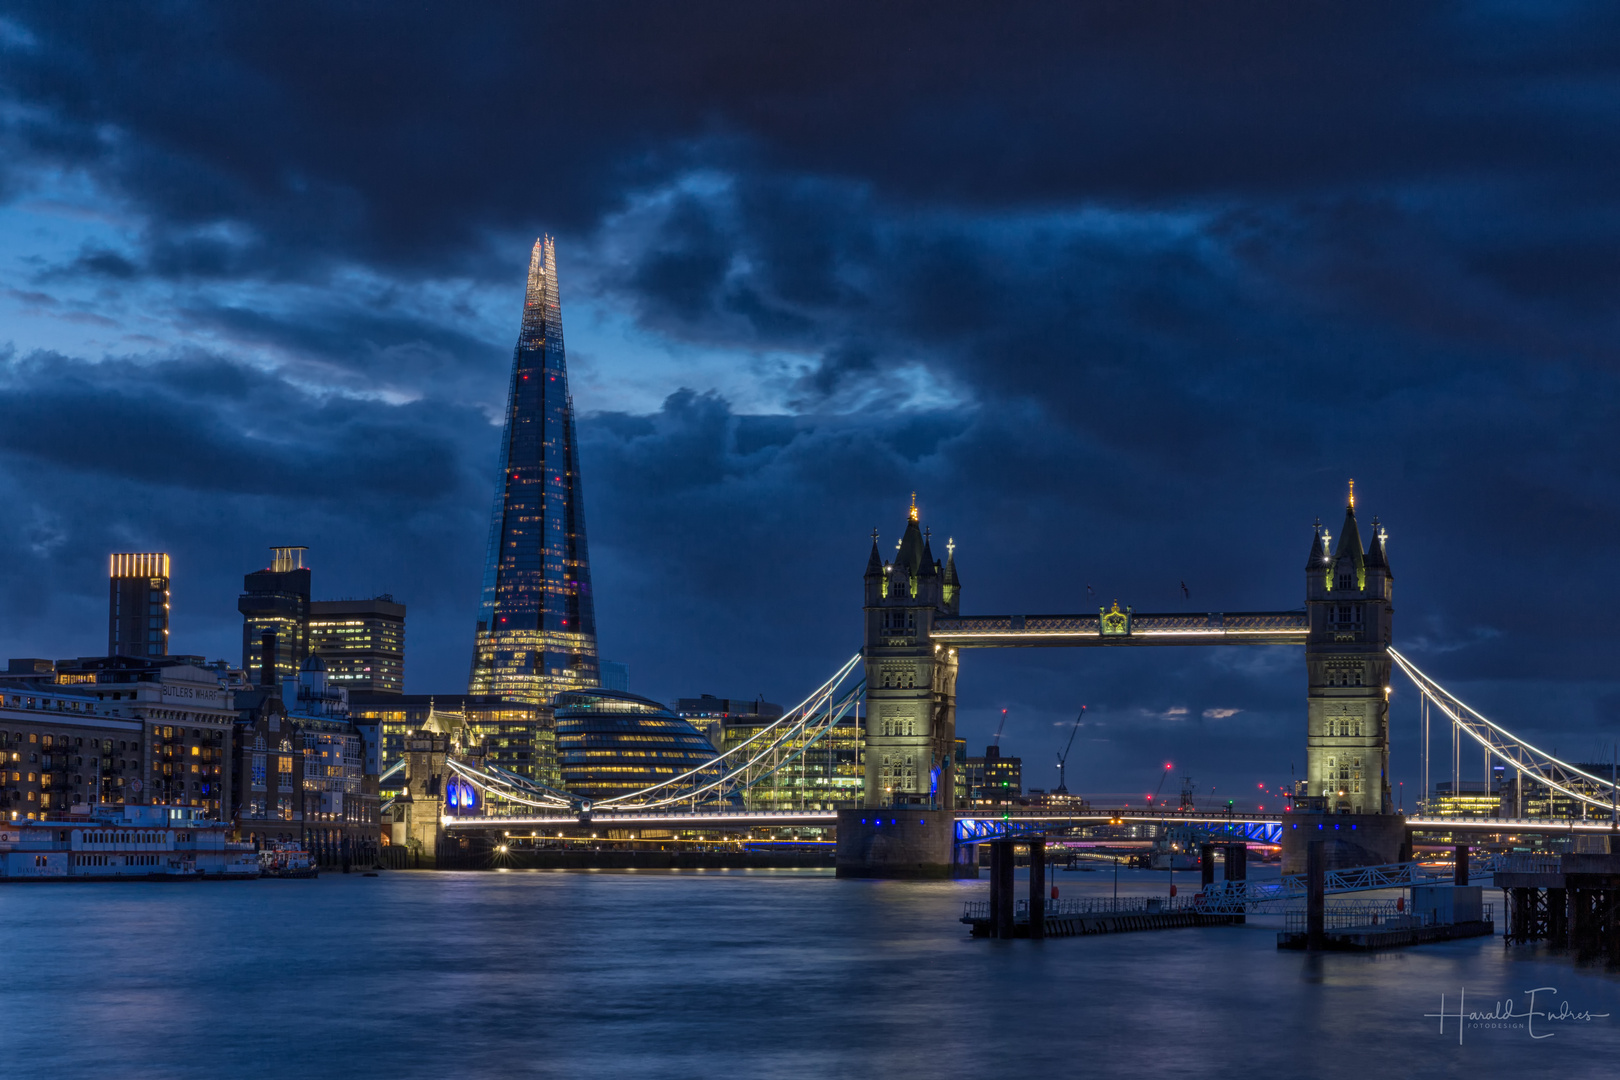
{"x": 1237, "y": 867}
{"x": 1206, "y": 865}
{"x": 996, "y": 855}
{"x": 1315, "y": 888}
{"x": 1037, "y": 887}
{"x": 1001, "y": 888}
{"x": 1459, "y": 875}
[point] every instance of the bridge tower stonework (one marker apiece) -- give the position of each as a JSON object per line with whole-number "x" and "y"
{"x": 905, "y": 827}
{"x": 419, "y": 808}
{"x": 1345, "y": 797}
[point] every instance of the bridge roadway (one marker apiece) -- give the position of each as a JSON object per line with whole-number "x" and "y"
{"x": 971, "y": 826}
{"x": 1214, "y": 628}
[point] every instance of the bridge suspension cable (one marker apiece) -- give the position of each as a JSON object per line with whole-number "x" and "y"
{"x": 759, "y": 757}
{"x": 1507, "y": 747}
{"x": 762, "y": 754}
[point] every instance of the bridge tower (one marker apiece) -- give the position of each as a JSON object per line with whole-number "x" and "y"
{"x": 905, "y": 827}
{"x": 1349, "y": 600}
{"x": 1349, "y": 604}
{"x": 910, "y": 682}
{"x": 419, "y": 807}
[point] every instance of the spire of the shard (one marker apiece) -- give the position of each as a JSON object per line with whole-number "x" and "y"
{"x": 536, "y": 632}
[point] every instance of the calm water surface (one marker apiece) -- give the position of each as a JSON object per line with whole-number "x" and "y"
{"x": 735, "y": 974}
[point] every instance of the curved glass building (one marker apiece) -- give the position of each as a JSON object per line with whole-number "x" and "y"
{"x": 610, "y": 742}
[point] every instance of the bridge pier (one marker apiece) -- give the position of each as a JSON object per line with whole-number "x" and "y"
{"x": 1349, "y": 840}
{"x": 898, "y": 842}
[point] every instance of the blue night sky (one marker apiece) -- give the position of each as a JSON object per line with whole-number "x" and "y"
{"x": 1125, "y": 293}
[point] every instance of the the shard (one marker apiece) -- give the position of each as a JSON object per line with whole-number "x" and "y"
{"x": 537, "y": 624}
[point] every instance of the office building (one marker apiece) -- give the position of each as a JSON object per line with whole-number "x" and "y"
{"x": 536, "y": 633}
{"x": 362, "y": 642}
{"x": 994, "y": 779}
{"x": 710, "y": 714}
{"x": 275, "y": 601}
{"x": 613, "y": 743}
{"x": 138, "y": 604}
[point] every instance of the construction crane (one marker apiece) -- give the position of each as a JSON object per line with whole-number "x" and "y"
{"x": 1063, "y": 758}
{"x": 996, "y": 742}
{"x": 1167, "y": 767}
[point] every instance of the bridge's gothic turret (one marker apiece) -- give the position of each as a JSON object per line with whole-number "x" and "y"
{"x": 1348, "y": 598}
{"x": 910, "y": 681}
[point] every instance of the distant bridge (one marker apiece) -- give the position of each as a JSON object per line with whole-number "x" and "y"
{"x": 973, "y": 827}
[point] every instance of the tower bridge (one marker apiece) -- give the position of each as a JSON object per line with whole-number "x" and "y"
{"x": 914, "y": 636}
{"x": 915, "y": 632}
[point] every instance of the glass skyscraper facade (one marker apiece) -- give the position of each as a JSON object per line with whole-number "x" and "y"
{"x": 536, "y": 633}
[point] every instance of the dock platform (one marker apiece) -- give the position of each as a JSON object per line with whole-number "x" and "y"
{"x": 1385, "y": 936}
{"x": 1085, "y": 917}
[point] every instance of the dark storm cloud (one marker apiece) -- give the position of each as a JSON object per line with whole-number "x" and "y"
{"x": 209, "y": 425}
{"x": 213, "y": 461}
{"x": 356, "y": 131}
{"x": 1125, "y": 290}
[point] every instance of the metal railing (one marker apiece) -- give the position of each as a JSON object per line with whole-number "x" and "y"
{"x": 1530, "y": 864}
{"x": 1124, "y": 905}
{"x": 1369, "y": 914}
{"x": 1250, "y": 895}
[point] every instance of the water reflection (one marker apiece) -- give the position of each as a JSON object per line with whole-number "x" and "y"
{"x": 740, "y": 974}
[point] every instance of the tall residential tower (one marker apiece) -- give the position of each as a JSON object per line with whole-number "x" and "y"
{"x": 138, "y": 604}
{"x": 536, "y": 632}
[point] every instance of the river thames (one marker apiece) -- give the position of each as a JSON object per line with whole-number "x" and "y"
{"x": 731, "y": 973}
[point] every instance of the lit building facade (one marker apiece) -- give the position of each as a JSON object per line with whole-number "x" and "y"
{"x": 515, "y": 735}
{"x": 611, "y": 743}
{"x": 1469, "y": 799}
{"x": 710, "y": 714}
{"x": 993, "y": 780}
{"x": 275, "y": 601}
{"x": 138, "y": 604}
{"x": 114, "y": 731}
{"x": 300, "y": 770}
{"x": 362, "y": 642}
{"x": 827, "y": 773}
{"x": 536, "y": 633}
